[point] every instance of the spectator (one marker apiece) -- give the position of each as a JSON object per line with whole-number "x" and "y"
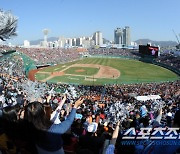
{"x": 48, "y": 139}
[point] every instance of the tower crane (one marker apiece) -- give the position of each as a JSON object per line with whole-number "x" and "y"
{"x": 177, "y": 46}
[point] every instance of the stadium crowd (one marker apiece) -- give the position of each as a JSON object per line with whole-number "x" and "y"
{"x": 37, "y": 118}
{"x": 48, "y": 56}
{"x": 114, "y": 52}
{"x": 170, "y": 59}
{"x": 43, "y": 56}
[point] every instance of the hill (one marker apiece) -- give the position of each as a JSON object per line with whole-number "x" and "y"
{"x": 36, "y": 42}
{"x": 160, "y": 43}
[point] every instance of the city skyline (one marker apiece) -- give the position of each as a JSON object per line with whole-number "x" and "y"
{"x": 148, "y": 19}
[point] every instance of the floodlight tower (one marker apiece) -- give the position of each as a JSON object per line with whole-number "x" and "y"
{"x": 45, "y": 32}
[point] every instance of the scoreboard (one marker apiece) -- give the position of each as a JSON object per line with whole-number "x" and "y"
{"x": 149, "y": 50}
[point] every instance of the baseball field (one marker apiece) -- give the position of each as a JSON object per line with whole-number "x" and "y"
{"x": 100, "y": 71}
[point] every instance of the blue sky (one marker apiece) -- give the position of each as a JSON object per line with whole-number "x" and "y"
{"x": 153, "y": 19}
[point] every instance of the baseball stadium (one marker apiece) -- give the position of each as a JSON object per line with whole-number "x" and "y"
{"x": 64, "y": 98}
{"x": 116, "y": 87}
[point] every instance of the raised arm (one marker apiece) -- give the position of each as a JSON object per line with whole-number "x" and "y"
{"x": 111, "y": 147}
{"x": 115, "y": 134}
{"x": 61, "y": 103}
{"x": 158, "y": 118}
{"x": 65, "y": 125}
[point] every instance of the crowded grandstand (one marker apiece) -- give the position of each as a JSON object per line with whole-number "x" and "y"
{"x": 49, "y": 118}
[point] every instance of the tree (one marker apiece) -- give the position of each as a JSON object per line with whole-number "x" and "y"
{"x": 8, "y": 25}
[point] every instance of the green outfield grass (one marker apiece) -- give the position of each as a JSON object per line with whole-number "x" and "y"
{"x": 131, "y": 71}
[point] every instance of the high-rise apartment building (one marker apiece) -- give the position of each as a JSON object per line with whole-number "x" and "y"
{"x": 126, "y": 36}
{"x": 26, "y": 43}
{"x": 118, "y": 36}
{"x": 87, "y": 42}
{"x": 70, "y": 42}
{"x": 74, "y": 42}
{"x": 79, "y": 41}
{"x": 61, "y": 42}
{"x": 97, "y": 37}
{"x": 122, "y": 36}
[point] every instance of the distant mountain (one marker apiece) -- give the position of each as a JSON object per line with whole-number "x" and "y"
{"x": 36, "y": 42}
{"x": 160, "y": 43}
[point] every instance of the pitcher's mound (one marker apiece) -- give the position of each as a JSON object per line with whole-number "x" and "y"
{"x": 80, "y": 70}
